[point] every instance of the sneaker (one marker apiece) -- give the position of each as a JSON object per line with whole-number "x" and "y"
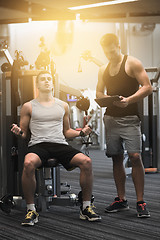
{"x": 89, "y": 214}
{"x": 142, "y": 210}
{"x": 30, "y": 219}
{"x": 117, "y": 206}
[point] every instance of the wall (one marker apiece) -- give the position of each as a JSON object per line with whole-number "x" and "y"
{"x": 145, "y": 45}
{"x": 86, "y": 36}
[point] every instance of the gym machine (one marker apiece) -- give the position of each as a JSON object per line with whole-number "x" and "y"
{"x": 150, "y": 124}
{"x": 18, "y": 86}
{"x": 50, "y": 190}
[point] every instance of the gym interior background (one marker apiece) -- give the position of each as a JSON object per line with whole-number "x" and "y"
{"x": 71, "y": 41}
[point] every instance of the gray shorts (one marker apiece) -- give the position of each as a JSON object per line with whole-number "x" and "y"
{"x": 122, "y": 133}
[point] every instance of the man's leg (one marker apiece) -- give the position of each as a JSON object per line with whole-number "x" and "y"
{"x": 86, "y": 181}
{"x": 31, "y": 162}
{"x": 120, "y": 203}
{"x": 86, "y": 175}
{"x": 119, "y": 175}
{"x": 137, "y": 174}
{"x": 138, "y": 180}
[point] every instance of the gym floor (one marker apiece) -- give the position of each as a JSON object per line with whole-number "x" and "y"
{"x": 62, "y": 222}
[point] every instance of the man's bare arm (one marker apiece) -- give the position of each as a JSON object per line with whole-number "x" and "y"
{"x": 136, "y": 70}
{"x": 140, "y": 74}
{"x": 100, "y": 88}
{"x": 69, "y": 132}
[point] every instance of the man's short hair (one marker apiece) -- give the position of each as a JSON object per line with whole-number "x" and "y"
{"x": 40, "y": 73}
{"x": 108, "y": 39}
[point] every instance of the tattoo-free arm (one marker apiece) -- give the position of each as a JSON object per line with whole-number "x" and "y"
{"x": 140, "y": 74}
{"x": 100, "y": 88}
{"x": 67, "y": 130}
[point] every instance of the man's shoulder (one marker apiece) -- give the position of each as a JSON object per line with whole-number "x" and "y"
{"x": 27, "y": 108}
{"x": 60, "y": 102}
{"x": 133, "y": 66}
{"x": 133, "y": 60}
{"x": 27, "y": 104}
{"x": 31, "y": 103}
{"x": 103, "y": 68}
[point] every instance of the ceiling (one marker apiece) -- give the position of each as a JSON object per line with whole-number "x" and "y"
{"x": 17, "y": 11}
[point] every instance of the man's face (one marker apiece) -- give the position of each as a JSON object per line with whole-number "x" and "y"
{"x": 111, "y": 51}
{"x": 45, "y": 82}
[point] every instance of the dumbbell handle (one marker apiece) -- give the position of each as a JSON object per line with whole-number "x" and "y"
{"x": 21, "y": 132}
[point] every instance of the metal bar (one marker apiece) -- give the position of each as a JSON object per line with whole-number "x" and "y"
{"x": 151, "y": 69}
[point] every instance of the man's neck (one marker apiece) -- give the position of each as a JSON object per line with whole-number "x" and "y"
{"x": 45, "y": 97}
{"x": 117, "y": 60}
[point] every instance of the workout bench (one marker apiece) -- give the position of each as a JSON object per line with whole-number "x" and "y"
{"x": 48, "y": 191}
{"x": 49, "y": 187}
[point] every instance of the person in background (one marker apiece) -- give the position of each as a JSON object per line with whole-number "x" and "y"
{"x": 126, "y": 77}
{"x": 47, "y": 118}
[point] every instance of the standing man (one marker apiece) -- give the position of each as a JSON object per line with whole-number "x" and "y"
{"x": 123, "y": 76}
{"x": 47, "y": 118}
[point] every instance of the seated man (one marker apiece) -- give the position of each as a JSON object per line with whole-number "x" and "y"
{"x": 47, "y": 118}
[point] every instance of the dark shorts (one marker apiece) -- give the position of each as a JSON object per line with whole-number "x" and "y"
{"x": 62, "y": 152}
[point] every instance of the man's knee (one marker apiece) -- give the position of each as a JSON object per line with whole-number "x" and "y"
{"x": 135, "y": 159}
{"x": 86, "y": 162}
{"x": 31, "y": 162}
{"x": 28, "y": 165}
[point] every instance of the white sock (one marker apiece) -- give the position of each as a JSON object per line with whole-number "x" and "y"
{"x": 86, "y": 204}
{"x": 31, "y": 207}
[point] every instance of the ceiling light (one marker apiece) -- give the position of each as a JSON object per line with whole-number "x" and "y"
{"x": 78, "y": 16}
{"x": 101, "y": 4}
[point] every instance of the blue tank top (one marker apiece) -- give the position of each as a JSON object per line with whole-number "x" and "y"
{"x": 123, "y": 85}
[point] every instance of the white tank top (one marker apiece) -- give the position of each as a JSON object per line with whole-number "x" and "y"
{"x": 46, "y": 123}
